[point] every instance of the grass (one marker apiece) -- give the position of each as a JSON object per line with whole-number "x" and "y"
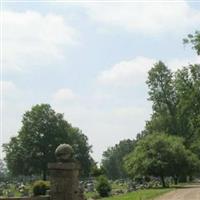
{"x": 119, "y": 186}
{"x": 14, "y": 191}
{"x": 146, "y": 194}
{"x": 89, "y": 195}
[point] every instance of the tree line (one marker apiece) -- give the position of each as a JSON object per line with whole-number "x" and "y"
{"x": 169, "y": 145}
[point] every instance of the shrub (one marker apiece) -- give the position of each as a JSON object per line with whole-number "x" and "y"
{"x": 40, "y": 187}
{"x": 103, "y": 187}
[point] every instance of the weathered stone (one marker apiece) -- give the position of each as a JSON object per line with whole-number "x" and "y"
{"x": 64, "y": 178}
{"x": 90, "y": 187}
{"x": 64, "y": 153}
{"x": 64, "y": 175}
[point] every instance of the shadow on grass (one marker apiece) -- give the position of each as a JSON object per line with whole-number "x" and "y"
{"x": 184, "y": 186}
{"x": 180, "y": 186}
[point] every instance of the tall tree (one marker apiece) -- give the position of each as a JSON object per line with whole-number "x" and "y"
{"x": 187, "y": 86}
{"x": 161, "y": 155}
{"x": 175, "y": 97}
{"x": 113, "y": 159}
{"x": 42, "y": 131}
{"x": 163, "y": 97}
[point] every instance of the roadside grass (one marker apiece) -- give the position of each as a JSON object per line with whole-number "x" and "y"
{"x": 145, "y": 194}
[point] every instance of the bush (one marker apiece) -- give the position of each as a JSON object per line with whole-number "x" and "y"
{"x": 103, "y": 187}
{"x": 40, "y": 188}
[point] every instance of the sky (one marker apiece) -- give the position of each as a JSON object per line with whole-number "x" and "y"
{"x": 89, "y": 60}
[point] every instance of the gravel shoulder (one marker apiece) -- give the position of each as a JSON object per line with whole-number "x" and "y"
{"x": 191, "y": 192}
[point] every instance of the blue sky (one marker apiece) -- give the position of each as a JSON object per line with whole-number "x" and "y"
{"x": 89, "y": 60}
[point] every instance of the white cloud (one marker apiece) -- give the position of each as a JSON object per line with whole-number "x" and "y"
{"x": 178, "y": 63}
{"x": 64, "y": 94}
{"x": 12, "y": 101}
{"x": 127, "y": 72}
{"x": 146, "y": 17}
{"x": 135, "y": 71}
{"x": 30, "y": 38}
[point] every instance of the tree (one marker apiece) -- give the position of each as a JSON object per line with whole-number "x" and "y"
{"x": 42, "y": 131}
{"x": 3, "y": 171}
{"x": 187, "y": 86}
{"x": 97, "y": 171}
{"x": 163, "y": 96}
{"x": 15, "y": 157}
{"x": 195, "y": 147}
{"x": 161, "y": 155}
{"x": 193, "y": 39}
{"x": 113, "y": 159}
{"x": 175, "y": 97}
{"x": 103, "y": 186}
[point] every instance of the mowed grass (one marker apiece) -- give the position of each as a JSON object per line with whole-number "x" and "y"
{"x": 146, "y": 194}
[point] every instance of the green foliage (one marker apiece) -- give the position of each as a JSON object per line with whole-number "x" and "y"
{"x": 187, "y": 85}
{"x": 193, "y": 39}
{"x": 113, "y": 159}
{"x": 176, "y": 112}
{"x": 40, "y": 187}
{"x": 103, "y": 187}
{"x": 175, "y": 98}
{"x": 97, "y": 171}
{"x": 176, "y": 105}
{"x": 42, "y": 131}
{"x": 161, "y": 155}
{"x": 161, "y": 91}
{"x": 3, "y": 171}
{"x": 195, "y": 147}
{"x": 162, "y": 94}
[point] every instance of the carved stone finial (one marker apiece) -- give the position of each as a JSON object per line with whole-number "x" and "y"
{"x": 64, "y": 153}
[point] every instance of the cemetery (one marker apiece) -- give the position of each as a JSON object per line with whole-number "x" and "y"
{"x": 64, "y": 184}
{"x": 100, "y": 100}
{"x": 59, "y": 165}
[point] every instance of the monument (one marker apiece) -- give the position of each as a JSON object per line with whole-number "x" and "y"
{"x": 64, "y": 175}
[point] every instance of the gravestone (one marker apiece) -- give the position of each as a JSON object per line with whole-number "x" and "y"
{"x": 1, "y": 191}
{"x": 64, "y": 175}
{"x": 90, "y": 187}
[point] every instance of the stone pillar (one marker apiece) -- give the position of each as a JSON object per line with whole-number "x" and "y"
{"x": 64, "y": 181}
{"x": 64, "y": 175}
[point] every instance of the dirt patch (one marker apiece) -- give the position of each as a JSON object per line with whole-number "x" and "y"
{"x": 185, "y": 193}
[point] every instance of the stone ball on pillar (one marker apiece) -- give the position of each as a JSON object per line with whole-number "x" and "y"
{"x": 64, "y": 153}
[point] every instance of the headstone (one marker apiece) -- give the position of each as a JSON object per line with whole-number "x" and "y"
{"x": 64, "y": 175}
{"x": 10, "y": 193}
{"x": 1, "y": 192}
{"x": 25, "y": 192}
{"x": 90, "y": 187}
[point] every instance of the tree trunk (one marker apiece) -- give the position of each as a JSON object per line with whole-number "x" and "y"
{"x": 163, "y": 181}
{"x": 175, "y": 180}
{"x": 191, "y": 178}
{"x": 44, "y": 173}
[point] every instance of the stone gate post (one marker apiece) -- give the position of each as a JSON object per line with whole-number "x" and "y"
{"x": 64, "y": 175}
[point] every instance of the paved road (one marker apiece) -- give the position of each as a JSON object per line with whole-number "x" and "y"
{"x": 186, "y": 193}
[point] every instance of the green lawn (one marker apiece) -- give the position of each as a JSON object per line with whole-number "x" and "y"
{"x": 147, "y": 194}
